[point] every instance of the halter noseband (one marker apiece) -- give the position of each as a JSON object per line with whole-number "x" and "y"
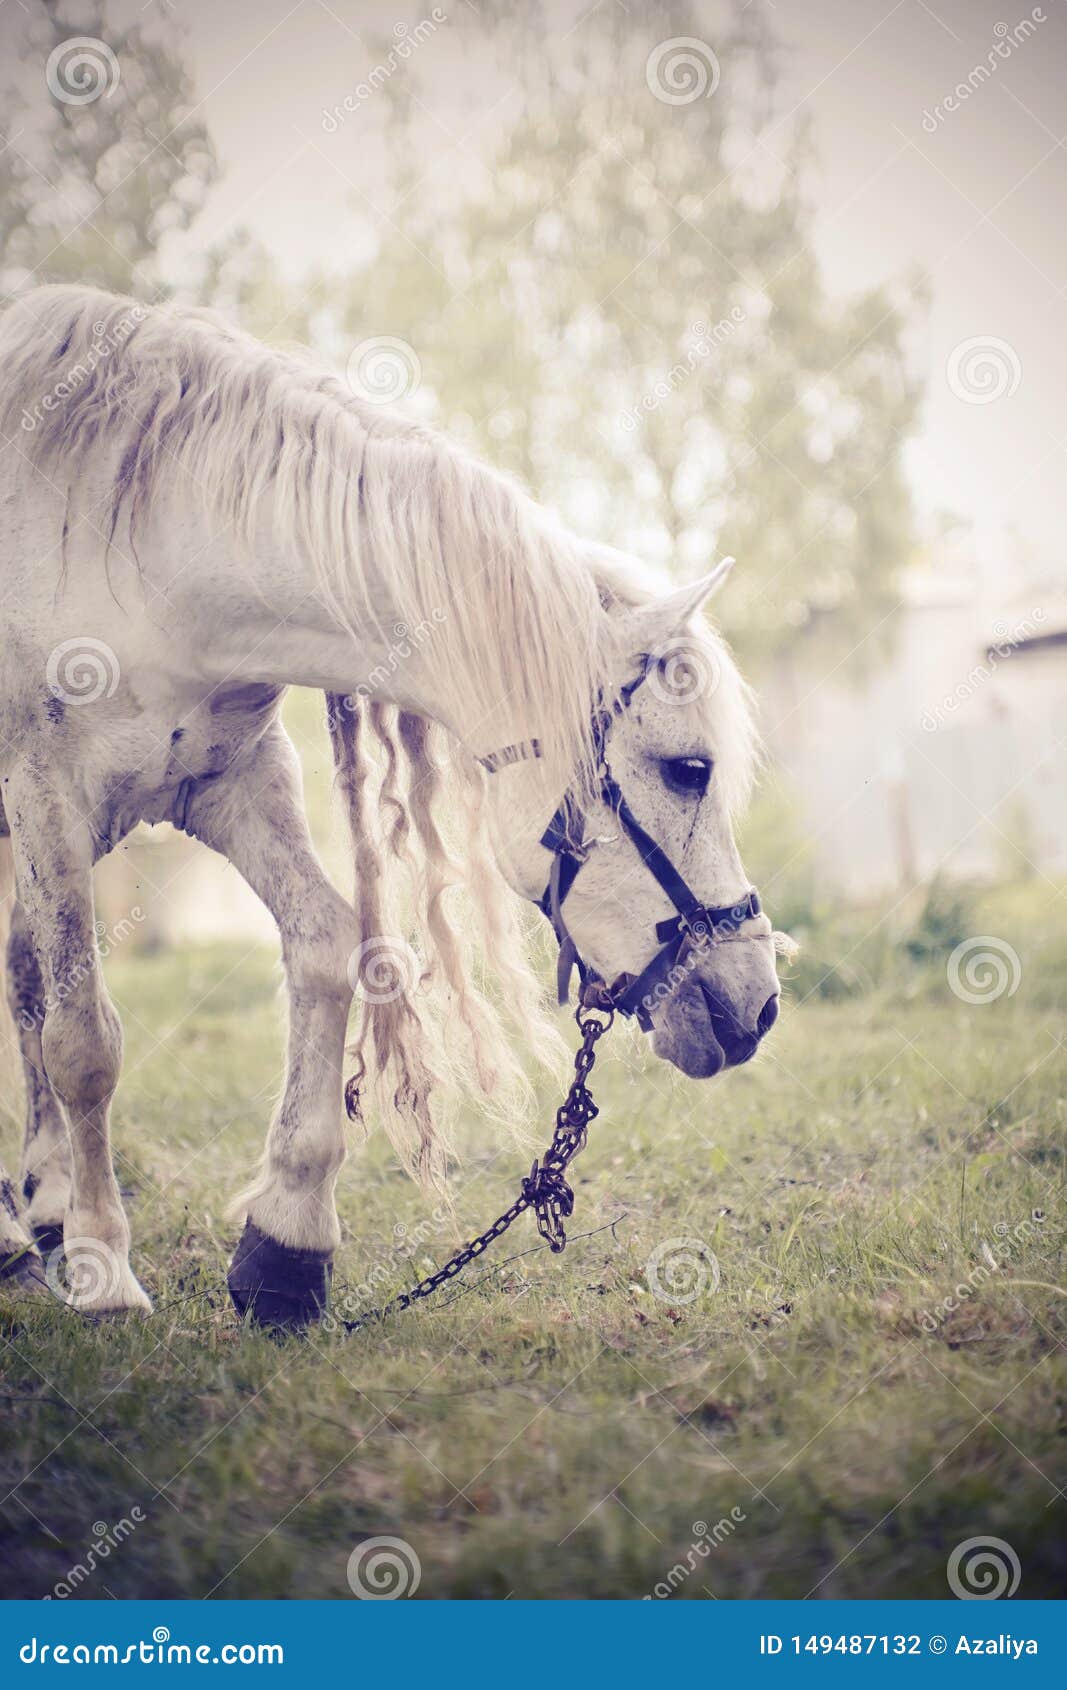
{"x": 564, "y": 837}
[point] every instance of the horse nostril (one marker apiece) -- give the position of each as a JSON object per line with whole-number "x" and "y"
{"x": 768, "y": 1015}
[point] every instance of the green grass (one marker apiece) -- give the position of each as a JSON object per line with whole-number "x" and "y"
{"x": 555, "y": 1428}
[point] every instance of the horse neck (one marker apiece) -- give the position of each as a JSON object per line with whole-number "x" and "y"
{"x": 298, "y": 537}
{"x": 420, "y": 621}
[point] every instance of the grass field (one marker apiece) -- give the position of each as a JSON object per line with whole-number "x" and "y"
{"x": 875, "y": 1377}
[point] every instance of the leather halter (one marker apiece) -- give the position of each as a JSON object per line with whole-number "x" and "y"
{"x": 564, "y": 837}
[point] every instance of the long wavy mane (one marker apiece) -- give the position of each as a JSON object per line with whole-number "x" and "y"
{"x": 519, "y": 614}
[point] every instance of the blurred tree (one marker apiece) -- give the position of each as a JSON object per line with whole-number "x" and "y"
{"x": 612, "y": 290}
{"x": 623, "y": 305}
{"x": 103, "y": 157}
{"x": 106, "y": 156}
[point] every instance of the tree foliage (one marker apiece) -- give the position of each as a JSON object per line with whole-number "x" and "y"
{"x": 89, "y": 191}
{"x": 624, "y": 307}
{"x": 613, "y": 293}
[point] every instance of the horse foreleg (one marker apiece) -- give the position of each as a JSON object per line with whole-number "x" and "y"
{"x": 281, "y": 1269}
{"x": 81, "y": 1037}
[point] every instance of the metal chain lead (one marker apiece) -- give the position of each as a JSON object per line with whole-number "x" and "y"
{"x": 545, "y": 1190}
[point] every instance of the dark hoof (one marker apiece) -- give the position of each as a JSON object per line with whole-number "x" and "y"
{"x": 49, "y": 1238}
{"x": 277, "y": 1285}
{"x": 22, "y": 1270}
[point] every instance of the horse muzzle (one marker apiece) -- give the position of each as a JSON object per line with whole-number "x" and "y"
{"x": 701, "y": 1030}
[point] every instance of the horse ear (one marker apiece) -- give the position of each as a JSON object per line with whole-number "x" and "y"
{"x": 653, "y": 624}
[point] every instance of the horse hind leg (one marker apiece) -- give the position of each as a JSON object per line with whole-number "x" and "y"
{"x": 45, "y": 1177}
{"x": 81, "y": 1037}
{"x": 20, "y": 1264}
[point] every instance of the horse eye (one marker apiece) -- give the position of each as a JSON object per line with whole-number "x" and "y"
{"x": 687, "y": 775}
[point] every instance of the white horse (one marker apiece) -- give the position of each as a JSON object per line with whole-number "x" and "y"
{"x": 191, "y": 524}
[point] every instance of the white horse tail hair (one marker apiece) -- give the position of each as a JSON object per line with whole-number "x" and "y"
{"x": 389, "y": 1033}
{"x": 432, "y": 1026}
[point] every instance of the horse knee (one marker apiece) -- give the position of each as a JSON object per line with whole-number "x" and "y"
{"x": 82, "y": 1050}
{"x": 307, "y": 1161}
{"x": 319, "y": 963}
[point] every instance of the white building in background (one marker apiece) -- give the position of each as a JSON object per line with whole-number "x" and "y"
{"x": 950, "y": 755}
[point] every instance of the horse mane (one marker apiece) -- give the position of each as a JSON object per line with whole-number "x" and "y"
{"x": 369, "y": 498}
{"x": 376, "y": 504}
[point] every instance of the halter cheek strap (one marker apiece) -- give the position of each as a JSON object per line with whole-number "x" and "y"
{"x": 564, "y": 837}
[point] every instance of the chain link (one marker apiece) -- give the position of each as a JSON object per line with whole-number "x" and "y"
{"x": 545, "y": 1189}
